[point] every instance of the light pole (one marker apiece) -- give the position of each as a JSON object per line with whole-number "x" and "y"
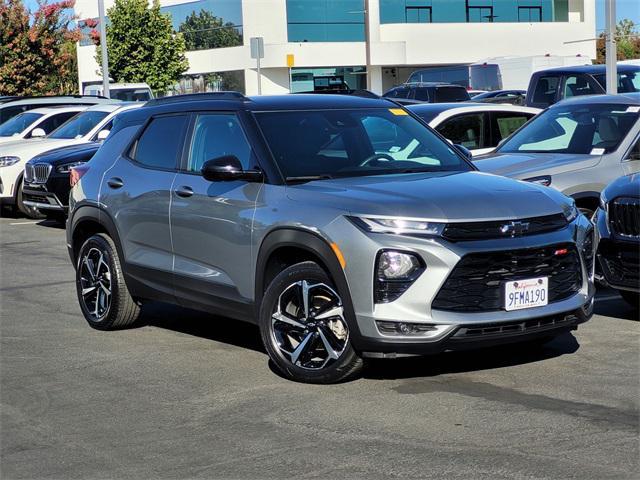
{"x": 611, "y": 52}
{"x": 105, "y": 54}
{"x": 367, "y": 44}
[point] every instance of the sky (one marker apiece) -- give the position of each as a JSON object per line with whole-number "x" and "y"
{"x": 625, "y": 9}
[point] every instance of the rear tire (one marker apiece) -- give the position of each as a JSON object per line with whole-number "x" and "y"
{"x": 304, "y": 329}
{"x": 104, "y": 298}
{"x": 632, "y": 298}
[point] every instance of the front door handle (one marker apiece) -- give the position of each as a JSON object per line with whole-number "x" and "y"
{"x": 115, "y": 182}
{"x": 184, "y": 191}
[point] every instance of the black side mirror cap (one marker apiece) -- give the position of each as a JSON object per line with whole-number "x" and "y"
{"x": 464, "y": 151}
{"x": 228, "y": 168}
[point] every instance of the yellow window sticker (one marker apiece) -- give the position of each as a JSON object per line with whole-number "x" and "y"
{"x": 398, "y": 111}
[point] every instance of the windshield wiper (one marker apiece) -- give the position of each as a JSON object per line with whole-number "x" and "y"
{"x": 307, "y": 178}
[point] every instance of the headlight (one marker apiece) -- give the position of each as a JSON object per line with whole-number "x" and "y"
{"x": 571, "y": 212}
{"x": 604, "y": 201}
{"x": 66, "y": 167}
{"x": 398, "y": 226}
{"x": 8, "y": 161}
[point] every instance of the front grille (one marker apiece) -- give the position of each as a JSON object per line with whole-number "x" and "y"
{"x": 624, "y": 216}
{"x": 38, "y": 173}
{"x": 476, "y": 283}
{"x": 620, "y": 263}
{"x": 503, "y": 228}
{"x": 511, "y": 328}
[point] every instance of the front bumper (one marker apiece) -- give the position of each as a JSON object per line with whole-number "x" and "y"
{"x": 51, "y": 196}
{"x": 440, "y": 256}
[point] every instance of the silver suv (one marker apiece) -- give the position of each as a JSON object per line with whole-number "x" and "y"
{"x": 343, "y": 226}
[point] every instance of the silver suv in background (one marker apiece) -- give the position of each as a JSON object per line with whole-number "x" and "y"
{"x": 301, "y": 214}
{"x": 576, "y": 146}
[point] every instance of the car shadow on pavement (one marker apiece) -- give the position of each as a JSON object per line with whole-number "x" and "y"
{"x": 202, "y": 324}
{"x": 610, "y": 305}
{"x": 470, "y": 361}
{"x": 52, "y": 224}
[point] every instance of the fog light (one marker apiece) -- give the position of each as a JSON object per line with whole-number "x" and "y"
{"x": 395, "y": 272}
{"x": 404, "y": 328}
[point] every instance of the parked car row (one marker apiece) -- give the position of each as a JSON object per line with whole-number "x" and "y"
{"x": 345, "y": 226}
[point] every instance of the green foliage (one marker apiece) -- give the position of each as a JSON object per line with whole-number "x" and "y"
{"x": 628, "y": 42}
{"x": 37, "y": 49}
{"x": 143, "y": 46}
{"x": 204, "y": 30}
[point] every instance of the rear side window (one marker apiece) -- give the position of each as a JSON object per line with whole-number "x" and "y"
{"x": 576, "y": 85}
{"x": 451, "y": 94}
{"x": 217, "y": 135}
{"x": 160, "y": 143}
{"x": 422, "y": 94}
{"x": 468, "y": 130}
{"x": 505, "y": 123}
{"x": 545, "y": 91}
{"x": 400, "y": 92}
{"x": 54, "y": 121}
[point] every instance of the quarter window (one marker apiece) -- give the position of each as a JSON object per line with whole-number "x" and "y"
{"x": 634, "y": 154}
{"x": 217, "y": 135}
{"x": 159, "y": 145}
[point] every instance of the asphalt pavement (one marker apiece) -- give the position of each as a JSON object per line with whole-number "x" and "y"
{"x": 192, "y": 395}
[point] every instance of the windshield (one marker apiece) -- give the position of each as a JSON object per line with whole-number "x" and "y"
{"x": 594, "y": 129}
{"x": 79, "y": 125}
{"x": 18, "y": 124}
{"x": 353, "y": 143}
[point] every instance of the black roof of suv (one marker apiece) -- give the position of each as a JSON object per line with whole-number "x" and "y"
{"x": 428, "y": 92}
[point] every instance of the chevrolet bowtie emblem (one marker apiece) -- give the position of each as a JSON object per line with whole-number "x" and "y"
{"x": 514, "y": 229}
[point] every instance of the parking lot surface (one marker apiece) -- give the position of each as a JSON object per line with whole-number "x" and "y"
{"x": 191, "y": 395}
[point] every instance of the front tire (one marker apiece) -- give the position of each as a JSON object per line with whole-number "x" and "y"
{"x": 104, "y": 298}
{"x": 304, "y": 329}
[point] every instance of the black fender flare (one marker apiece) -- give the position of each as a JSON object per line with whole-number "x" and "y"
{"x": 88, "y": 211}
{"x": 314, "y": 244}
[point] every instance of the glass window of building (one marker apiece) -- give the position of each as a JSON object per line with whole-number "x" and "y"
{"x": 530, "y": 14}
{"x": 336, "y": 78}
{"x": 418, "y": 14}
{"x": 207, "y": 24}
{"x": 325, "y": 20}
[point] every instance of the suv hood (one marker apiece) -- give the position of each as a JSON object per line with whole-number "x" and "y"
{"x": 469, "y": 196}
{"x": 526, "y": 165}
{"x": 27, "y": 149}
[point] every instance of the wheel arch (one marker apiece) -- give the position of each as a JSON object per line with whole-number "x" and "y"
{"x": 87, "y": 220}
{"x": 587, "y": 199}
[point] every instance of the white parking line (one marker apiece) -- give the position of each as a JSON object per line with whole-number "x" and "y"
{"x": 23, "y": 223}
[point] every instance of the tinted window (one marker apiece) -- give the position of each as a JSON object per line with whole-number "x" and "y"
{"x": 400, "y": 92}
{"x": 545, "y": 92}
{"x": 215, "y": 136}
{"x": 131, "y": 94}
{"x": 450, "y": 94}
{"x": 351, "y": 143}
{"x": 159, "y": 145}
{"x": 591, "y": 129}
{"x": 18, "y": 123}
{"x": 79, "y": 125}
{"x": 485, "y": 77}
{"x": 505, "y": 123}
{"x": 422, "y": 94}
{"x": 627, "y": 82}
{"x": 54, "y": 121}
{"x": 576, "y": 85}
{"x": 634, "y": 154}
{"x": 467, "y": 130}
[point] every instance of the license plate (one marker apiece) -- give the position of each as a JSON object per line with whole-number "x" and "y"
{"x": 527, "y": 293}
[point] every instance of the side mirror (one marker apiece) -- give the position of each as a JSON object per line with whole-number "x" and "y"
{"x": 38, "y": 133}
{"x": 228, "y": 168}
{"x": 464, "y": 151}
{"x": 103, "y": 134}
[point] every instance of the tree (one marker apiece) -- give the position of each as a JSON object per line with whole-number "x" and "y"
{"x": 37, "y": 50}
{"x": 204, "y": 30}
{"x": 628, "y": 42}
{"x": 143, "y": 46}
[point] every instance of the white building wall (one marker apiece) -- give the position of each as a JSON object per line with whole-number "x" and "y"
{"x": 394, "y": 45}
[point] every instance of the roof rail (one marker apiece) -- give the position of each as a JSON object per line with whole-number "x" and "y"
{"x": 198, "y": 96}
{"x": 354, "y": 93}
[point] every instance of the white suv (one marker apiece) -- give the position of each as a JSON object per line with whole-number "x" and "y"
{"x": 36, "y": 123}
{"x": 91, "y": 125}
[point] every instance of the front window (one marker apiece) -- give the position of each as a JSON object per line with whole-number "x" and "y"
{"x": 79, "y": 125}
{"x": 592, "y": 129}
{"x": 18, "y": 124}
{"x": 352, "y": 143}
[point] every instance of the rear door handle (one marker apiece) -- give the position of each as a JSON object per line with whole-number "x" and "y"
{"x": 184, "y": 191}
{"x": 115, "y": 182}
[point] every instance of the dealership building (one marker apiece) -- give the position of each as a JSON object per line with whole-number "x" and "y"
{"x": 312, "y": 44}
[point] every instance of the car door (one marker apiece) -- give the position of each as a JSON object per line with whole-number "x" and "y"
{"x": 136, "y": 192}
{"x": 504, "y": 124}
{"x": 211, "y": 221}
{"x": 470, "y": 130}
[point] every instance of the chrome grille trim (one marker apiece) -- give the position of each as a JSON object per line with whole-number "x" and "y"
{"x": 37, "y": 173}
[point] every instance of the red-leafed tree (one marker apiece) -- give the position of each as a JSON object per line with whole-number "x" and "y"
{"x": 38, "y": 49}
